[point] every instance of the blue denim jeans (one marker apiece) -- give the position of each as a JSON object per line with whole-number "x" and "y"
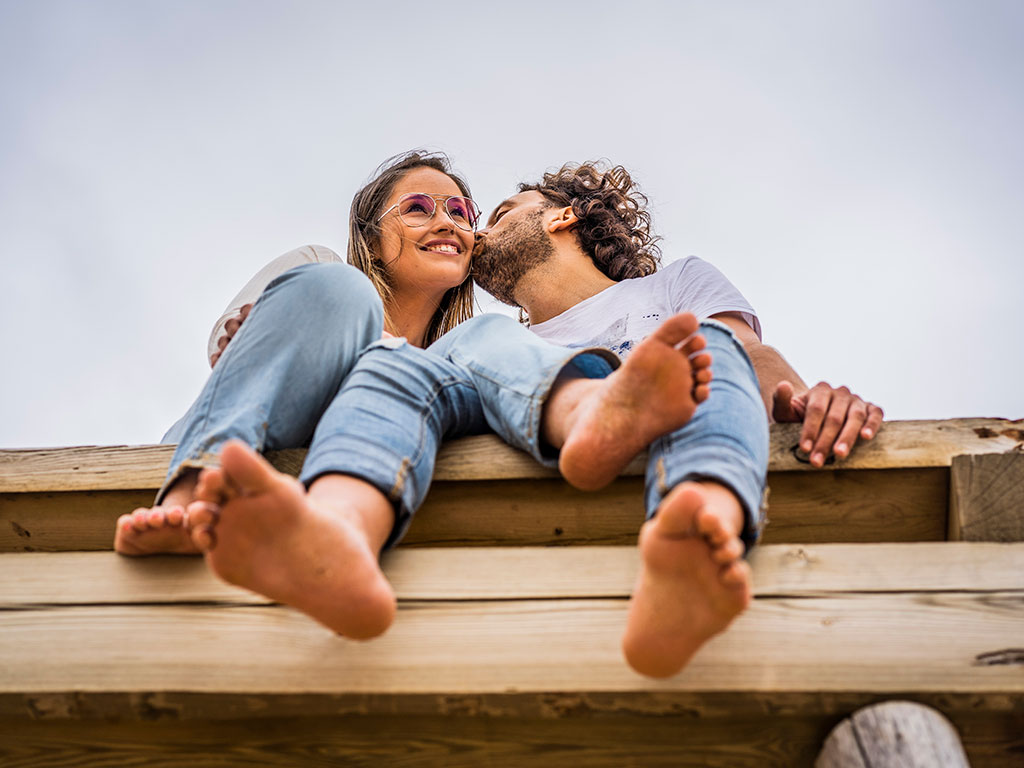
{"x": 308, "y": 367}
{"x": 290, "y": 378}
{"x": 725, "y": 441}
{"x": 401, "y": 402}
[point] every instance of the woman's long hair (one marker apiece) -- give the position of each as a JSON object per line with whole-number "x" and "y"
{"x": 364, "y": 238}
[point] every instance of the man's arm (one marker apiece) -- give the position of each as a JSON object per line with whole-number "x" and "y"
{"x": 833, "y": 418}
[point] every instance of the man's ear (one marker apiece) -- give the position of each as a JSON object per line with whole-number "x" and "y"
{"x": 564, "y": 221}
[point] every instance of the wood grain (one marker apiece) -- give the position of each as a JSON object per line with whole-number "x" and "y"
{"x": 805, "y": 507}
{"x": 893, "y": 733}
{"x": 898, "y": 444}
{"x": 516, "y": 573}
{"x": 934, "y": 643}
{"x": 671, "y": 740}
{"x": 987, "y": 498}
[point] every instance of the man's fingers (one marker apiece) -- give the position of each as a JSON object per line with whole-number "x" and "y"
{"x": 831, "y": 426}
{"x": 782, "y": 403}
{"x": 223, "y": 342}
{"x": 245, "y": 310}
{"x": 856, "y": 415}
{"x": 818, "y": 401}
{"x": 232, "y": 325}
{"x": 874, "y": 422}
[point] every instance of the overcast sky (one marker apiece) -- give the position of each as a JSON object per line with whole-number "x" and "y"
{"x": 855, "y": 168}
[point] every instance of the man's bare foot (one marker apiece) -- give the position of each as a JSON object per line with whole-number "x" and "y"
{"x": 159, "y": 530}
{"x": 656, "y": 390}
{"x": 692, "y": 580}
{"x": 262, "y": 531}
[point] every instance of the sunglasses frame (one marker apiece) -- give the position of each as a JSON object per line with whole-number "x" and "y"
{"x": 474, "y": 208}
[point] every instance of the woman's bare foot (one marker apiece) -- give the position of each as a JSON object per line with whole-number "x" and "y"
{"x": 262, "y": 531}
{"x": 656, "y": 390}
{"x": 692, "y": 580}
{"x": 159, "y": 530}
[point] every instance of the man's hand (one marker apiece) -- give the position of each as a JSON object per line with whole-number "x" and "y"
{"x": 230, "y": 329}
{"x": 834, "y": 418}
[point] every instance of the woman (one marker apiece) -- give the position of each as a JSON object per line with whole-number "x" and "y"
{"x": 304, "y": 368}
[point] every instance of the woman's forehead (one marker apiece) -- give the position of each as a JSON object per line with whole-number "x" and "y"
{"x": 429, "y": 180}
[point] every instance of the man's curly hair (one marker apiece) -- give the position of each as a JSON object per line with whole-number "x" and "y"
{"x": 614, "y": 226}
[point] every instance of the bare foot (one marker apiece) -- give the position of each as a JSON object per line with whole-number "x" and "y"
{"x": 692, "y": 580}
{"x": 656, "y": 390}
{"x": 161, "y": 529}
{"x": 263, "y": 532}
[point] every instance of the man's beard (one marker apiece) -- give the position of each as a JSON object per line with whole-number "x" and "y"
{"x": 501, "y": 261}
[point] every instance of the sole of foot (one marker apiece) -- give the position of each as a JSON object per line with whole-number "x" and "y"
{"x": 159, "y": 530}
{"x": 264, "y": 534}
{"x": 656, "y": 391}
{"x": 692, "y": 582}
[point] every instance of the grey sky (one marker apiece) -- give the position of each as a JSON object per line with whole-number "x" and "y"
{"x": 854, "y": 167}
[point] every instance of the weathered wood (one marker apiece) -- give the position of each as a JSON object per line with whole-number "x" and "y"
{"x": 898, "y": 444}
{"x": 987, "y": 498}
{"x": 935, "y": 643}
{"x": 514, "y": 573}
{"x": 894, "y": 734}
{"x": 462, "y": 740}
{"x": 805, "y": 507}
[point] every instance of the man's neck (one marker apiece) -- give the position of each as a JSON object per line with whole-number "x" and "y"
{"x": 549, "y": 289}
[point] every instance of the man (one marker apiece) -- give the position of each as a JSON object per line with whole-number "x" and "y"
{"x": 576, "y": 254}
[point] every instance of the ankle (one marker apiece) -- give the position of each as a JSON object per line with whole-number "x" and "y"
{"x": 561, "y": 410}
{"x": 357, "y": 502}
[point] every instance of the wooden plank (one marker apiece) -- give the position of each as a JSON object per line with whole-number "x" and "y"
{"x": 899, "y": 444}
{"x": 939, "y": 643}
{"x": 987, "y": 498}
{"x": 806, "y": 507}
{"x": 458, "y": 740}
{"x": 512, "y": 573}
{"x": 894, "y": 733}
{"x": 857, "y": 506}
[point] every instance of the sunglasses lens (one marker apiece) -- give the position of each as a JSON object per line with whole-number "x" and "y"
{"x": 463, "y": 212}
{"x": 416, "y": 210}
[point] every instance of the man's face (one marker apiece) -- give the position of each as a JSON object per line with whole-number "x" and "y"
{"x": 514, "y": 242}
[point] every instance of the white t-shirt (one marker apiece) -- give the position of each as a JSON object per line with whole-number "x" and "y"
{"x": 622, "y": 315}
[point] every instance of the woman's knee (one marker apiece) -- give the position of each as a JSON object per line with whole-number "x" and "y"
{"x": 330, "y": 289}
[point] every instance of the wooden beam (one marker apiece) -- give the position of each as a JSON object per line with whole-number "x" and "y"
{"x": 829, "y": 506}
{"x": 945, "y": 643}
{"x": 899, "y": 444}
{"x": 460, "y": 740}
{"x": 987, "y": 498}
{"x": 516, "y": 573}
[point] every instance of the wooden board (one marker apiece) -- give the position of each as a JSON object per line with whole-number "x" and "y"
{"x": 805, "y": 507}
{"x": 515, "y": 573}
{"x": 934, "y": 643}
{"x": 899, "y": 444}
{"x": 673, "y": 740}
{"x": 987, "y": 498}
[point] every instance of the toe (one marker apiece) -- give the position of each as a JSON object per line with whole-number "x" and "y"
{"x": 735, "y": 574}
{"x": 139, "y": 522}
{"x": 204, "y": 538}
{"x": 202, "y": 514}
{"x": 156, "y": 517}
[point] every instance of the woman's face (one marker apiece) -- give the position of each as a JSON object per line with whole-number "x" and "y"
{"x": 433, "y": 256}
